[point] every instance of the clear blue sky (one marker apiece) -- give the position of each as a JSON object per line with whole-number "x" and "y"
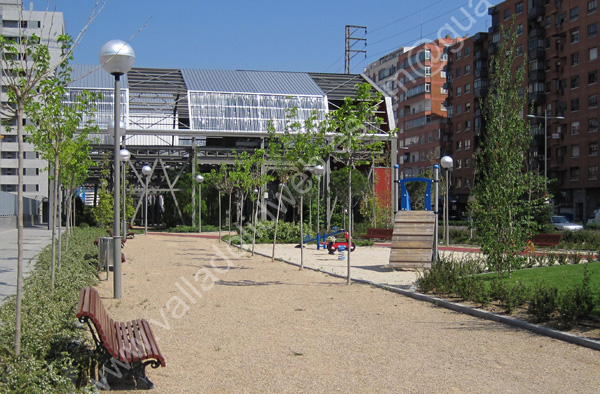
{"x": 279, "y": 35}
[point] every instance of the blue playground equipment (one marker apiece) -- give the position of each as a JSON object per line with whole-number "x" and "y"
{"x": 321, "y": 239}
{"x": 405, "y": 199}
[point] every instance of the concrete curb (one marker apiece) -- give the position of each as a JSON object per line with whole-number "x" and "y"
{"x": 461, "y": 308}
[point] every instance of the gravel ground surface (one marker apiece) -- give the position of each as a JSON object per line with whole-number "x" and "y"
{"x": 231, "y": 323}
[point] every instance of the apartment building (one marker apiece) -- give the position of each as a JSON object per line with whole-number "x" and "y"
{"x": 560, "y": 40}
{"x": 416, "y": 77}
{"x": 16, "y": 23}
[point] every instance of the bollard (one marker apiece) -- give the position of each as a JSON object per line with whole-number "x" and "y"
{"x": 342, "y": 253}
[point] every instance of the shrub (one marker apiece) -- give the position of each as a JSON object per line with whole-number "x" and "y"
{"x": 510, "y": 297}
{"x": 576, "y": 303}
{"x": 48, "y": 332}
{"x": 543, "y": 301}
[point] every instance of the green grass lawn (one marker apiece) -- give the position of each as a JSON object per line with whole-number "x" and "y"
{"x": 559, "y": 276}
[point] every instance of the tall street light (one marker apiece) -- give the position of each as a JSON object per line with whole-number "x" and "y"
{"x": 117, "y": 58}
{"x": 447, "y": 163}
{"x": 545, "y": 117}
{"x": 146, "y": 170}
{"x": 199, "y": 179}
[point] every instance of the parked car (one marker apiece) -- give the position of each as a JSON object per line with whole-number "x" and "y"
{"x": 562, "y": 223}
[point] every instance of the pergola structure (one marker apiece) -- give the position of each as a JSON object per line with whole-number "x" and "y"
{"x": 172, "y": 115}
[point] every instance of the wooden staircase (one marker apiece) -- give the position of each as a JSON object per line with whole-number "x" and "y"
{"x": 412, "y": 240}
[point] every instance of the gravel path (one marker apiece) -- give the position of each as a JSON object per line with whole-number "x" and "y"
{"x": 232, "y": 323}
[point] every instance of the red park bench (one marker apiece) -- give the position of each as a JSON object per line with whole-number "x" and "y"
{"x": 379, "y": 233}
{"x": 548, "y": 240}
{"x": 132, "y": 343}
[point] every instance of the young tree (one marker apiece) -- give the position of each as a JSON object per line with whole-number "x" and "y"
{"x": 53, "y": 132}
{"x": 295, "y": 151}
{"x": 222, "y": 182}
{"x": 358, "y": 137}
{"x": 26, "y": 62}
{"x": 505, "y": 196}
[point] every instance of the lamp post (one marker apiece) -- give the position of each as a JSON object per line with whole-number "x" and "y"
{"x": 117, "y": 58}
{"x": 545, "y": 117}
{"x": 447, "y": 163}
{"x": 124, "y": 157}
{"x": 146, "y": 170}
{"x": 255, "y": 219}
{"x": 199, "y": 179}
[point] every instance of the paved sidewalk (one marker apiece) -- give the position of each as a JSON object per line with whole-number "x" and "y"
{"x": 34, "y": 240}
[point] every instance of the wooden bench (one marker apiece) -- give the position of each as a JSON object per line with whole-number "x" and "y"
{"x": 132, "y": 343}
{"x": 379, "y": 233}
{"x": 546, "y": 239}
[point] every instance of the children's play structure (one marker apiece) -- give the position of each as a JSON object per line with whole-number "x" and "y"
{"x": 322, "y": 242}
{"x": 413, "y": 238}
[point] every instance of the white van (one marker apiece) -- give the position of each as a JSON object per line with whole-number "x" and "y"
{"x": 594, "y": 217}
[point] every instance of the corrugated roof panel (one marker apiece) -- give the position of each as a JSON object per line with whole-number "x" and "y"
{"x": 87, "y": 76}
{"x": 244, "y": 81}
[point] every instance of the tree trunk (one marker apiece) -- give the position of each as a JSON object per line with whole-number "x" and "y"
{"x": 301, "y": 231}
{"x": 349, "y": 222}
{"x": 20, "y": 113}
{"x": 229, "y": 219}
{"x": 55, "y": 214}
{"x": 69, "y": 211}
{"x": 219, "y": 215}
{"x": 276, "y": 225}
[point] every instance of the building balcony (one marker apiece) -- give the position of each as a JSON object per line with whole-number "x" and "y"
{"x": 536, "y": 53}
{"x": 536, "y": 76}
{"x": 536, "y": 11}
{"x": 447, "y": 85}
{"x": 537, "y": 32}
{"x": 537, "y": 98}
{"x": 480, "y": 54}
{"x": 480, "y": 92}
{"x": 482, "y": 73}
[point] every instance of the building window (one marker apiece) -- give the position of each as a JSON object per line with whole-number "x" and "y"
{"x": 519, "y": 49}
{"x": 592, "y": 6}
{"x": 468, "y": 162}
{"x": 458, "y": 182}
{"x": 468, "y": 88}
{"x": 593, "y": 151}
{"x": 519, "y": 8}
{"x": 458, "y": 72}
{"x": 593, "y": 101}
{"x": 574, "y": 36}
{"x": 593, "y": 54}
{"x": 443, "y": 108}
{"x": 593, "y": 77}
{"x": 520, "y": 30}
{"x": 467, "y": 125}
{"x": 468, "y": 107}
{"x": 574, "y": 173}
{"x": 427, "y": 71}
{"x": 574, "y": 13}
{"x": 575, "y": 151}
{"x": 458, "y": 109}
{"x": 427, "y": 87}
{"x": 459, "y": 91}
{"x": 467, "y": 69}
{"x": 592, "y": 30}
{"x": 592, "y": 125}
{"x": 506, "y": 13}
{"x": 467, "y": 51}
{"x": 574, "y": 104}
{"x": 593, "y": 172}
{"x": 575, "y": 82}
{"x": 574, "y": 59}
{"x": 458, "y": 146}
{"x": 575, "y": 128}
{"x": 443, "y": 90}
{"x": 467, "y": 144}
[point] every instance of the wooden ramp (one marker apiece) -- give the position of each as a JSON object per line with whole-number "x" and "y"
{"x": 412, "y": 240}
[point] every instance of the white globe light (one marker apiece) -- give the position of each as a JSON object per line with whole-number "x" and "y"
{"x": 199, "y": 178}
{"x": 117, "y": 57}
{"x": 146, "y": 170}
{"x": 124, "y": 155}
{"x": 447, "y": 162}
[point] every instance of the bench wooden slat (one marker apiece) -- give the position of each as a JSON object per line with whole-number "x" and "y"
{"x": 153, "y": 346}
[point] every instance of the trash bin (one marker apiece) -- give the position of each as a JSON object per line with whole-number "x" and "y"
{"x": 105, "y": 252}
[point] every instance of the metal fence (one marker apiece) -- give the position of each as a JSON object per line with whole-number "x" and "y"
{"x": 8, "y": 210}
